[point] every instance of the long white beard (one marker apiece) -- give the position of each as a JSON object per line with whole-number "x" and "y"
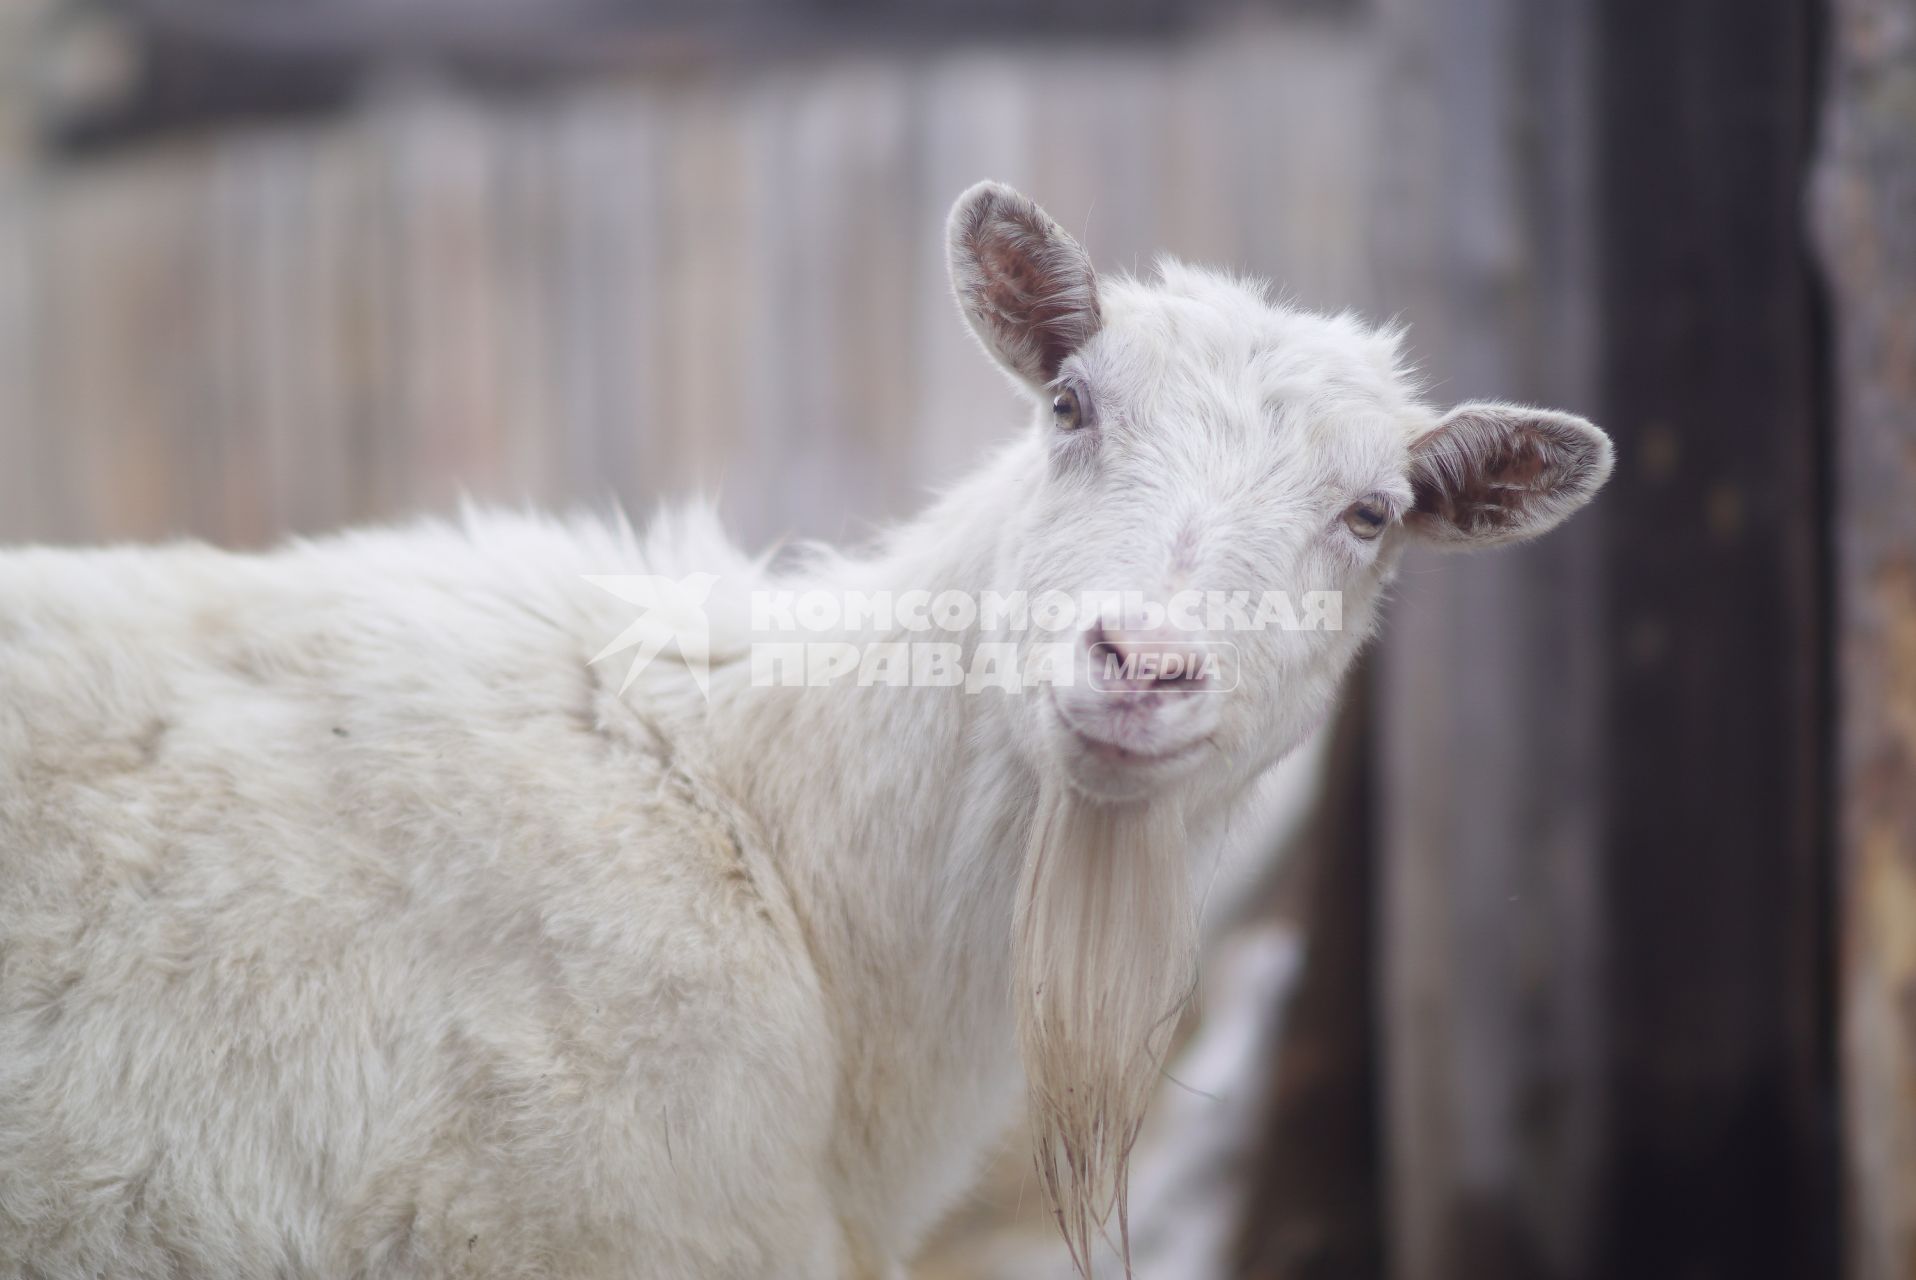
{"x": 1105, "y": 943}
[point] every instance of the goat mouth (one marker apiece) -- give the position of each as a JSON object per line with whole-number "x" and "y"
{"x": 1109, "y": 751}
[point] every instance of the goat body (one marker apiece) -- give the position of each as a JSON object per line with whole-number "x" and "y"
{"x": 354, "y": 922}
{"x": 352, "y": 927}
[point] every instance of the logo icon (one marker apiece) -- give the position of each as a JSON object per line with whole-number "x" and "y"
{"x": 1188, "y": 666}
{"x": 673, "y": 613}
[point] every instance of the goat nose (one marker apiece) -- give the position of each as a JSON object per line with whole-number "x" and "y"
{"x": 1166, "y": 660}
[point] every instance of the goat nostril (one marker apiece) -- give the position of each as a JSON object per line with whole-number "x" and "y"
{"x": 1185, "y": 673}
{"x": 1110, "y": 664}
{"x": 1140, "y": 664}
{"x": 1180, "y": 669}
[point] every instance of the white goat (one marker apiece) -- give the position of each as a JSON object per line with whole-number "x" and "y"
{"x": 352, "y": 925}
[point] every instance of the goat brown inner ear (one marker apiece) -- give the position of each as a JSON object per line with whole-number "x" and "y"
{"x": 1522, "y": 462}
{"x": 1032, "y": 305}
{"x": 1481, "y": 498}
{"x": 1482, "y": 475}
{"x": 1026, "y": 286}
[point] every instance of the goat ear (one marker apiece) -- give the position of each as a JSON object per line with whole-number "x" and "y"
{"x": 1026, "y": 288}
{"x": 1496, "y": 473}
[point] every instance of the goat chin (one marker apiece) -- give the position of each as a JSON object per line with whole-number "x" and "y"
{"x": 1105, "y": 945}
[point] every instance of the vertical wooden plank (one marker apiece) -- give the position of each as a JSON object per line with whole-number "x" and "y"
{"x": 827, "y": 336}
{"x": 704, "y": 290}
{"x": 1314, "y": 1195}
{"x": 124, "y": 381}
{"x": 1717, "y": 1084}
{"x": 522, "y": 207}
{"x": 379, "y": 448}
{"x": 305, "y": 275}
{"x": 1490, "y": 704}
{"x": 244, "y": 356}
{"x": 1866, "y": 206}
{"x": 974, "y": 110}
{"x": 443, "y": 176}
{"x": 605, "y": 273}
{"x": 21, "y": 434}
{"x": 29, "y": 465}
{"x": 1298, "y": 195}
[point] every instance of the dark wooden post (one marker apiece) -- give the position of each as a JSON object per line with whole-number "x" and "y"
{"x": 1604, "y": 830}
{"x": 1313, "y": 1198}
{"x": 1719, "y": 1154}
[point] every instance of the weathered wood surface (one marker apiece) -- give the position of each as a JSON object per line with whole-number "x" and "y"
{"x": 1313, "y": 1198}
{"x": 706, "y": 279}
{"x": 1603, "y": 825}
{"x": 206, "y": 64}
{"x": 1719, "y": 1110}
{"x": 1489, "y": 705}
{"x": 1866, "y": 220}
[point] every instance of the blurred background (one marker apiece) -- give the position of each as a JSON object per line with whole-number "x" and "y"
{"x": 1595, "y": 956}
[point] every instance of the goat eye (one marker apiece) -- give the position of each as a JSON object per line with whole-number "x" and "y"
{"x": 1367, "y": 517}
{"x": 1067, "y": 411}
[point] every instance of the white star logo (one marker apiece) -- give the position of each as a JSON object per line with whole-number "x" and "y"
{"x": 674, "y": 613}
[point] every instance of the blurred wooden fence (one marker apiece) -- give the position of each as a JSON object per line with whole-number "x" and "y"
{"x": 721, "y": 279}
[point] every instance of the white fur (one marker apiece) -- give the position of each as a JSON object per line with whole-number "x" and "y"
{"x": 352, "y": 925}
